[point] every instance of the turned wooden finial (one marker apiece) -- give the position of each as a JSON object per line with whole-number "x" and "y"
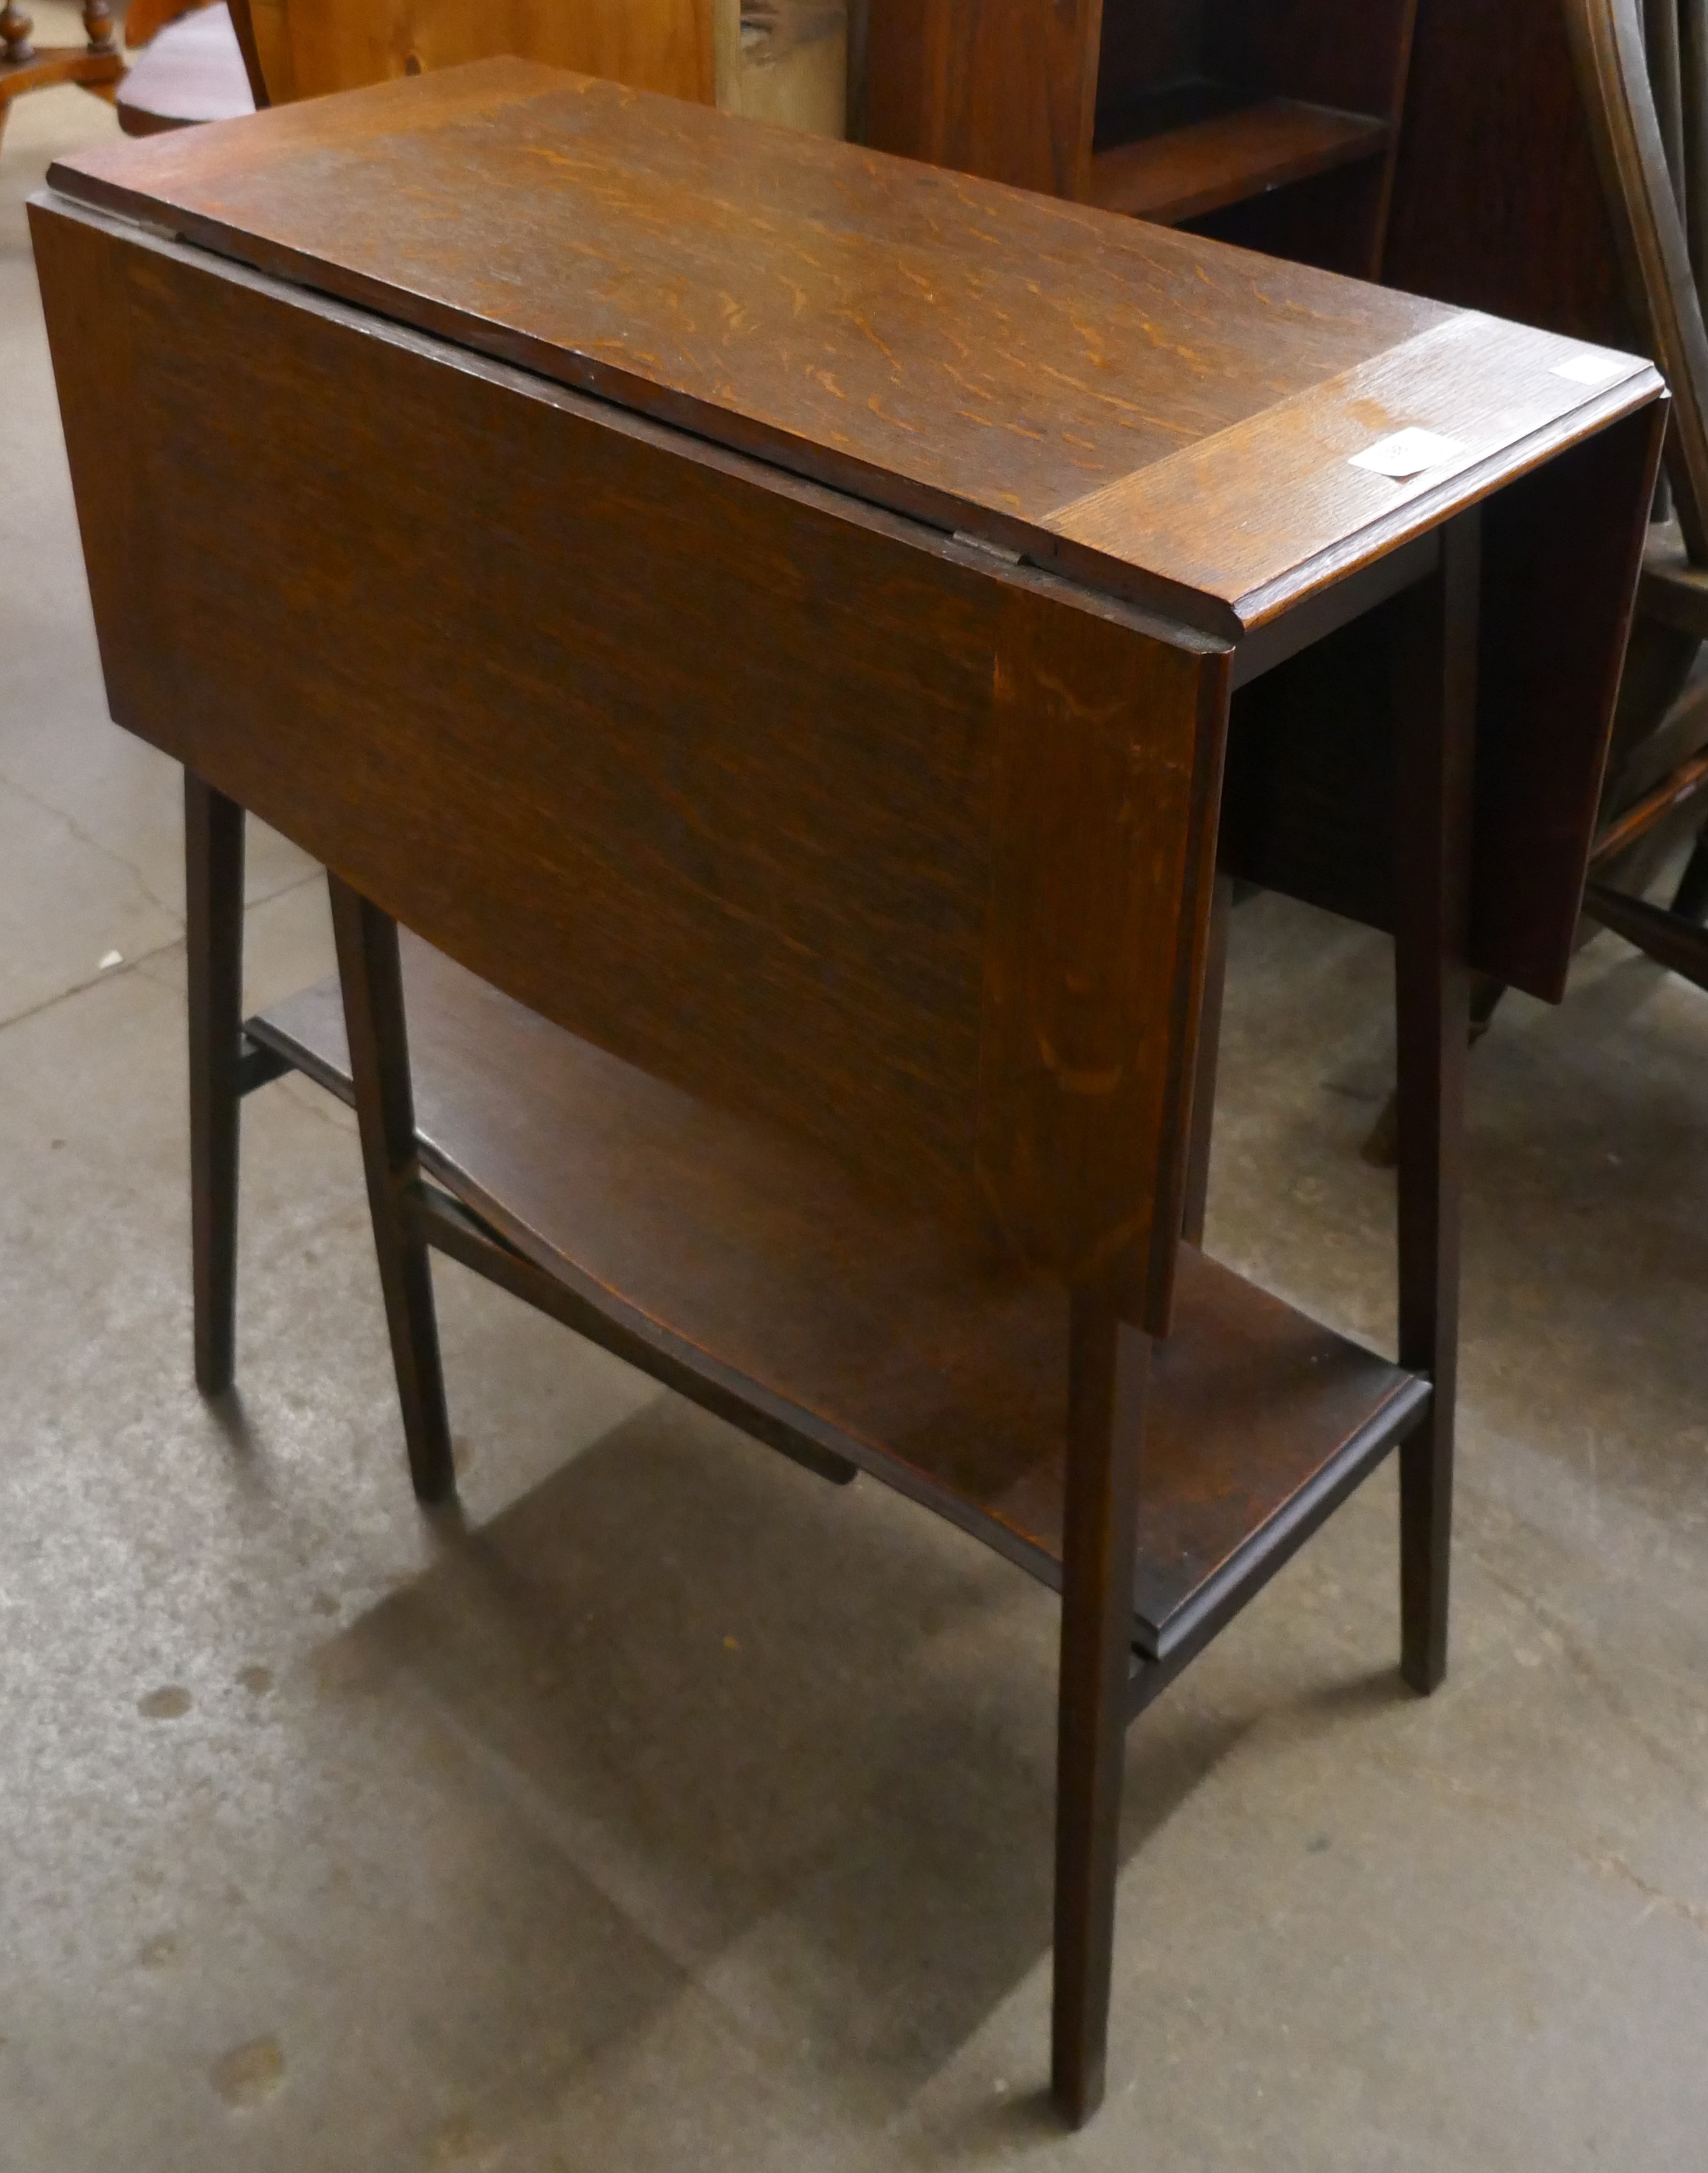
{"x": 98, "y": 26}
{"x": 15, "y": 27}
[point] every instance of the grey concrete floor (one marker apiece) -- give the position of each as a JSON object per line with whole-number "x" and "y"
{"x": 673, "y": 1812}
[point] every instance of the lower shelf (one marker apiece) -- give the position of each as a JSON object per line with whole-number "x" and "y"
{"x": 1183, "y": 170}
{"x": 730, "y": 1255}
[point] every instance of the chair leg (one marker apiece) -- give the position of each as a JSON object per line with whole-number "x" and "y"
{"x": 1436, "y": 723}
{"x": 1109, "y": 1369}
{"x": 1679, "y": 946}
{"x": 213, "y": 943}
{"x": 371, "y": 973}
{"x": 1690, "y": 899}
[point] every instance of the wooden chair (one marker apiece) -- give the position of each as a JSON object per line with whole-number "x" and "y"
{"x": 218, "y": 62}
{"x": 1643, "y": 76}
{"x": 97, "y": 64}
{"x": 689, "y": 49}
{"x": 231, "y": 60}
{"x": 304, "y": 48}
{"x": 194, "y": 78}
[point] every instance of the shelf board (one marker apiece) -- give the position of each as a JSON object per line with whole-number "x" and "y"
{"x": 1167, "y": 171}
{"x": 749, "y": 1271}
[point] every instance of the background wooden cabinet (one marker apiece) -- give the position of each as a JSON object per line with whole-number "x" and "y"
{"x": 1270, "y": 123}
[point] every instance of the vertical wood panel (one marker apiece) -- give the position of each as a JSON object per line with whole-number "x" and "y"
{"x": 1000, "y": 88}
{"x": 1558, "y": 578}
{"x": 1497, "y": 202}
{"x": 904, "y": 854}
{"x": 1108, "y": 758}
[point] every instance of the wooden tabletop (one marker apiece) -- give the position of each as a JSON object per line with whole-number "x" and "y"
{"x": 1153, "y": 413}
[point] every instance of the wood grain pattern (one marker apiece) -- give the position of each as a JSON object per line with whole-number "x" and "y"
{"x": 975, "y": 357}
{"x": 956, "y": 351}
{"x": 1002, "y": 89}
{"x": 940, "y": 1368}
{"x": 1323, "y": 514}
{"x": 562, "y": 787}
{"x": 1497, "y": 203}
{"x": 1105, "y": 796}
{"x": 310, "y": 48}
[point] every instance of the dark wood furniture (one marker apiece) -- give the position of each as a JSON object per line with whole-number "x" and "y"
{"x": 227, "y": 59}
{"x": 1270, "y": 123}
{"x": 25, "y": 65}
{"x": 1532, "y": 180}
{"x": 814, "y": 783}
{"x": 189, "y": 71}
{"x": 1654, "y": 167}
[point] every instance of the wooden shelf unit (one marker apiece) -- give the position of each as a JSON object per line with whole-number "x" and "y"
{"x": 712, "y": 1252}
{"x": 1273, "y": 123}
{"x": 1183, "y": 170}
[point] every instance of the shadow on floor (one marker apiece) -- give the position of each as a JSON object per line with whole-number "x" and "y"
{"x": 801, "y": 1737}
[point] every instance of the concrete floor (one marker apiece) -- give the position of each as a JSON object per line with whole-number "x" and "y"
{"x": 676, "y": 1813}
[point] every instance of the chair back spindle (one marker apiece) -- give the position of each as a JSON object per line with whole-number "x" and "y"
{"x": 1661, "y": 41}
{"x": 1612, "y": 59}
{"x": 1692, "y": 71}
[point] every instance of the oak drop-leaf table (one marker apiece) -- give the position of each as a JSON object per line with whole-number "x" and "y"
{"x": 802, "y": 640}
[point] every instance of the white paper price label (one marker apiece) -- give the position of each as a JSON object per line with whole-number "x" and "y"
{"x": 1407, "y": 453}
{"x": 1591, "y": 368}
